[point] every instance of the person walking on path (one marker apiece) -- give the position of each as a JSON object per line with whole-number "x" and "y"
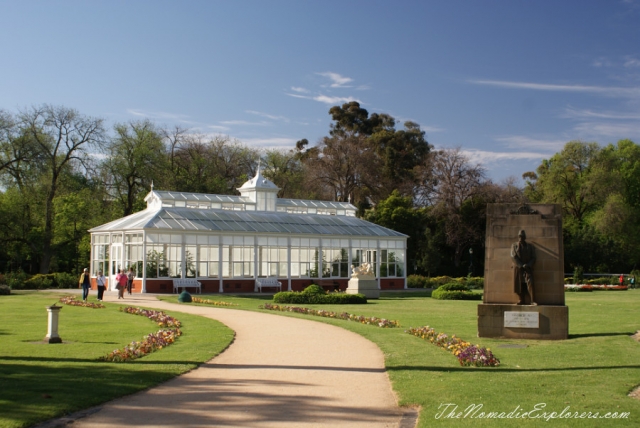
{"x": 85, "y": 283}
{"x": 100, "y": 281}
{"x": 621, "y": 279}
{"x": 130, "y": 276}
{"x": 121, "y": 279}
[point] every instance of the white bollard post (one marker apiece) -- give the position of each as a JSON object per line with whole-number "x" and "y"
{"x": 52, "y": 332}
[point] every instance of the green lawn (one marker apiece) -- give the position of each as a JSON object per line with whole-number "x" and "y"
{"x": 40, "y": 381}
{"x": 593, "y": 371}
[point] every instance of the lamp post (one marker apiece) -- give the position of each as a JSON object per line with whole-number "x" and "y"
{"x": 470, "y": 261}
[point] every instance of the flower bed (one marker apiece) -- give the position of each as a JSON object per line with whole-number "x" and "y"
{"x": 380, "y": 322}
{"x": 594, "y": 287}
{"x": 467, "y": 354}
{"x": 159, "y": 317}
{"x": 211, "y": 302}
{"x": 150, "y": 343}
{"x": 71, "y": 301}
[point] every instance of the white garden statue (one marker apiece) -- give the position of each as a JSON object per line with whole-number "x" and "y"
{"x": 362, "y": 271}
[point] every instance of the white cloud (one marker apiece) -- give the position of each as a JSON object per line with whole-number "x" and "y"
{"x": 299, "y": 89}
{"x": 485, "y": 157}
{"x": 159, "y": 115}
{"x": 521, "y": 141}
{"x": 631, "y": 62}
{"x": 218, "y": 128}
{"x": 327, "y": 99}
{"x": 270, "y": 143}
{"x": 572, "y": 113}
{"x": 335, "y": 100}
{"x": 611, "y": 91}
{"x": 268, "y": 116}
{"x": 617, "y": 130}
{"x": 338, "y": 81}
{"x": 244, "y": 123}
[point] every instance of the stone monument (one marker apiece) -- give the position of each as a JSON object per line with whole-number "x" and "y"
{"x": 524, "y": 280}
{"x": 363, "y": 281}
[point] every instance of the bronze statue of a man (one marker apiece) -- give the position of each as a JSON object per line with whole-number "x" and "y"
{"x": 523, "y": 255}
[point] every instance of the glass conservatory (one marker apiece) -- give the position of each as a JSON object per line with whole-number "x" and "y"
{"x": 228, "y": 242}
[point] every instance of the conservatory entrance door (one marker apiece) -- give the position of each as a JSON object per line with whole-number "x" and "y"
{"x": 116, "y": 264}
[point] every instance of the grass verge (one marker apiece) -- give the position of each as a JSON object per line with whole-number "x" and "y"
{"x": 41, "y": 381}
{"x": 593, "y": 371}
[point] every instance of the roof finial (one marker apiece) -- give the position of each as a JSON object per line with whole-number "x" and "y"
{"x": 152, "y": 185}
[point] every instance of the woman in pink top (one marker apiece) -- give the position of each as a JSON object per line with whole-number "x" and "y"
{"x": 121, "y": 279}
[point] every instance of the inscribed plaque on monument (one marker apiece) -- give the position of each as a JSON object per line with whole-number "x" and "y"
{"x": 521, "y": 319}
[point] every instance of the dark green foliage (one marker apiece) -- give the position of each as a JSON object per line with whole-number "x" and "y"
{"x": 475, "y": 283}
{"x": 65, "y": 280}
{"x": 314, "y": 289}
{"x": 314, "y": 294}
{"x": 454, "y": 286}
{"x": 39, "y": 282}
{"x": 455, "y": 295}
{"x": 344, "y": 299}
{"x": 416, "y": 281}
{"x": 577, "y": 274}
{"x": 15, "y": 280}
{"x": 4, "y": 290}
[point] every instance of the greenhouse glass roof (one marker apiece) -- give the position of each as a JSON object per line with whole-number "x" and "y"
{"x": 171, "y": 219}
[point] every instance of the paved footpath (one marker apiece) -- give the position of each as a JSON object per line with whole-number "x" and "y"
{"x": 278, "y": 372}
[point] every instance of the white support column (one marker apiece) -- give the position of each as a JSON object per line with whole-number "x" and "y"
{"x": 378, "y": 262}
{"x": 144, "y": 262}
{"x": 288, "y": 264}
{"x": 320, "y": 267}
{"x": 220, "y": 267}
{"x": 255, "y": 264}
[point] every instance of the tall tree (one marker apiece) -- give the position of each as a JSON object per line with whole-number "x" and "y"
{"x": 61, "y": 137}
{"x": 456, "y": 190}
{"x": 136, "y": 156}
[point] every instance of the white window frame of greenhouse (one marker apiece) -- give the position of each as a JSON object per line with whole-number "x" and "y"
{"x": 249, "y": 234}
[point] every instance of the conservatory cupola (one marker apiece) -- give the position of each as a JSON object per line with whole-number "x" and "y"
{"x": 260, "y": 191}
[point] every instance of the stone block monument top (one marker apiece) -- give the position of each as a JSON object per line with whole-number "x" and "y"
{"x": 542, "y": 224}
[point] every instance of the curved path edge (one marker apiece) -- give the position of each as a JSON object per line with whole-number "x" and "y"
{"x": 278, "y": 372}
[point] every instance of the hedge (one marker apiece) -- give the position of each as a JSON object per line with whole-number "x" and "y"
{"x": 316, "y": 294}
{"x": 455, "y": 295}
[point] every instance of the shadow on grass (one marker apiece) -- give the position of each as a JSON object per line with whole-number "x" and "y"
{"x": 88, "y": 361}
{"x": 504, "y": 369}
{"x": 578, "y": 336}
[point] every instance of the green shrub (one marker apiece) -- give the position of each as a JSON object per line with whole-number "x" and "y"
{"x": 475, "y": 282}
{"x": 65, "y": 280}
{"x": 39, "y": 282}
{"x": 314, "y": 289}
{"x": 578, "y": 275}
{"x": 290, "y": 297}
{"x": 16, "y": 280}
{"x": 316, "y": 294}
{"x": 417, "y": 281}
{"x": 437, "y": 281}
{"x": 455, "y": 295}
{"x": 344, "y": 299}
{"x": 453, "y": 286}
{"x": 4, "y": 290}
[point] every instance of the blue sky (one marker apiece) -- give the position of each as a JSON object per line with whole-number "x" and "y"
{"x": 510, "y": 82}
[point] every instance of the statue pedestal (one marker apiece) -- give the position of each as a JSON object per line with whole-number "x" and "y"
{"x": 523, "y": 322}
{"x": 368, "y": 287}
